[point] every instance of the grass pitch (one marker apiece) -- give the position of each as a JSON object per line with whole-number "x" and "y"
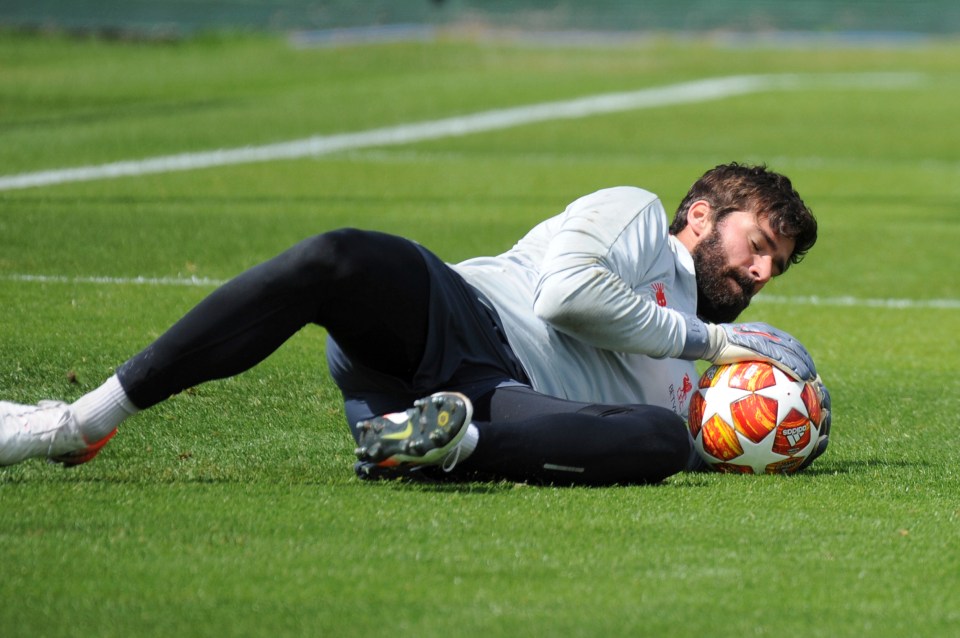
{"x": 232, "y": 509}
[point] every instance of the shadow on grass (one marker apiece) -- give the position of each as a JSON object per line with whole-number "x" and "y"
{"x": 473, "y": 483}
{"x": 862, "y": 466}
{"x": 39, "y": 474}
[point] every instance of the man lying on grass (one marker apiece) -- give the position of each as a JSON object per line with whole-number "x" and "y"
{"x": 567, "y": 359}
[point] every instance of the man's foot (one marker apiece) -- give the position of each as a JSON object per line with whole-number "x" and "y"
{"x": 47, "y": 429}
{"x": 423, "y": 435}
{"x": 81, "y": 456}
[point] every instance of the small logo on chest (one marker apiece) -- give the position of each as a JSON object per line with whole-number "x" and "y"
{"x": 660, "y": 293}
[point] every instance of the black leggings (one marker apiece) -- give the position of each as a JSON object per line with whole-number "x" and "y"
{"x": 367, "y": 289}
{"x": 371, "y": 291}
{"x": 535, "y": 437}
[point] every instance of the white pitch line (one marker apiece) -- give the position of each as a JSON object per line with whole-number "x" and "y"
{"x": 200, "y": 282}
{"x": 857, "y": 302}
{"x": 799, "y": 300}
{"x": 682, "y": 93}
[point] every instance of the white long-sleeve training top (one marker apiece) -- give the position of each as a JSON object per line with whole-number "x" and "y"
{"x": 588, "y": 300}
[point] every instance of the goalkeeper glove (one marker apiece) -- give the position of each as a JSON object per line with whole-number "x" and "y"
{"x": 825, "y": 417}
{"x": 732, "y": 342}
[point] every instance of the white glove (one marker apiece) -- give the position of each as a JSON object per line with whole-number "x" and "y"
{"x": 732, "y": 342}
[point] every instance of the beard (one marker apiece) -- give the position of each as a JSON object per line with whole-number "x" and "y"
{"x": 723, "y": 291}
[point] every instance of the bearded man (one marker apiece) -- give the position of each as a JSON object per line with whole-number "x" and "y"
{"x": 568, "y": 359}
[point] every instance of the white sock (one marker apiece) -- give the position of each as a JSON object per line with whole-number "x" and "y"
{"x": 100, "y": 411}
{"x": 463, "y": 450}
{"x": 469, "y": 442}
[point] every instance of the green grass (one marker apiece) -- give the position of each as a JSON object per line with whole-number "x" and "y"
{"x": 232, "y": 509}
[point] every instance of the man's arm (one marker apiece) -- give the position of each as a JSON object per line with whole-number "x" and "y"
{"x": 607, "y": 242}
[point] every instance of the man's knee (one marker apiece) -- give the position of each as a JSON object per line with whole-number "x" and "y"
{"x": 665, "y": 444}
{"x": 334, "y": 255}
{"x": 675, "y": 439}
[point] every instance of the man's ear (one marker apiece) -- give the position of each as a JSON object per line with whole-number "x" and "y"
{"x": 700, "y": 217}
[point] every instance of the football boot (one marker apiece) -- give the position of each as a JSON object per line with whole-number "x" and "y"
{"x": 426, "y": 434}
{"x": 47, "y": 429}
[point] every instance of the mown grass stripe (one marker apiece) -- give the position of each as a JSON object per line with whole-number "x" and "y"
{"x": 497, "y": 119}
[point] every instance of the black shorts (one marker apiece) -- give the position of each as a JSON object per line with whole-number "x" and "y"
{"x": 465, "y": 351}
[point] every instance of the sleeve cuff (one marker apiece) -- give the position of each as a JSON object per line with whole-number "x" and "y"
{"x": 697, "y": 339}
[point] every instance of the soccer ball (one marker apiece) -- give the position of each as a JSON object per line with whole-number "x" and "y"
{"x": 753, "y": 418}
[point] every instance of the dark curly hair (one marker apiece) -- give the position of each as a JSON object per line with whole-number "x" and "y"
{"x": 732, "y": 187}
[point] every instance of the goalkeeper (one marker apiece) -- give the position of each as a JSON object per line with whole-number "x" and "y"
{"x": 568, "y": 359}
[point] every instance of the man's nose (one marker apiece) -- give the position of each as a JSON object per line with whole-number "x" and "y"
{"x": 762, "y": 269}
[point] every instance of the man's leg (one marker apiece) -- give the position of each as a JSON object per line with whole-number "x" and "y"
{"x": 367, "y": 289}
{"x": 542, "y": 439}
{"x": 521, "y": 435}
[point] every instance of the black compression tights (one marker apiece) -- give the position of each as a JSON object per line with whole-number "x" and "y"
{"x": 368, "y": 289}
{"x": 537, "y": 438}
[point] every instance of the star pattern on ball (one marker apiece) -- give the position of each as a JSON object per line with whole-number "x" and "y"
{"x": 722, "y": 396}
{"x": 757, "y": 455}
{"x": 788, "y": 393}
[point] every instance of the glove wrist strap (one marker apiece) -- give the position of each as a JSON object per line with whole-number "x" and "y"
{"x": 698, "y": 339}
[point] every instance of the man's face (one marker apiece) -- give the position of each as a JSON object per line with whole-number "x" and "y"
{"x": 733, "y": 261}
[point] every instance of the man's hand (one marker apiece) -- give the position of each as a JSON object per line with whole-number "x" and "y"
{"x": 732, "y": 342}
{"x": 744, "y": 341}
